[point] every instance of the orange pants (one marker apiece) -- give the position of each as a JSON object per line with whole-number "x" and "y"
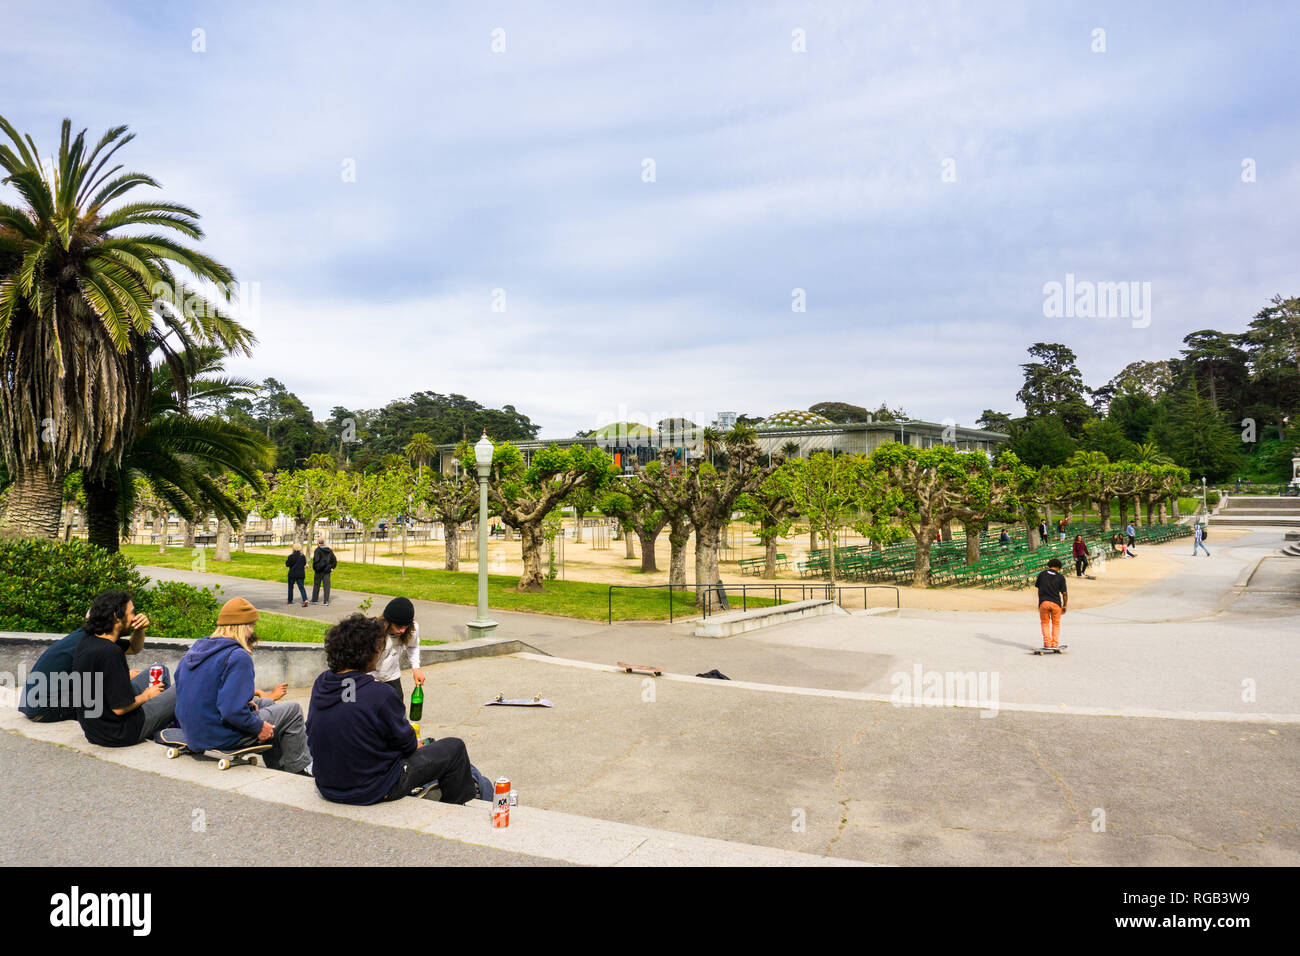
{"x": 1049, "y": 616}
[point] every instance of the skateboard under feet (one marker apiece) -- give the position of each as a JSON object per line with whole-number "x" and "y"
{"x": 1050, "y": 650}
{"x": 173, "y": 738}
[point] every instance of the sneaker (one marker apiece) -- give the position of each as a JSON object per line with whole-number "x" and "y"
{"x": 304, "y": 604}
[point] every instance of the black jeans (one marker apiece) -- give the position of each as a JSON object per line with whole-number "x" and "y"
{"x": 316, "y": 582}
{"x": 446, "y": 761}
{"x": 1080, "y": 565}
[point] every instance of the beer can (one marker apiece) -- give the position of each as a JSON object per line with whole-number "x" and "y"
{"x": 155, "y": 675}
{"x": 501, "y": 803}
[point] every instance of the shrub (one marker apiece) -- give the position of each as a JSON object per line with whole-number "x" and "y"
{"x": 48, "y": 585}
{"x": 178, "y": 610}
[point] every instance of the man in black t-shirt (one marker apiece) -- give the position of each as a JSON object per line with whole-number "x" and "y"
{"x": 112, "y": 714}
{"x": 1052, "y": 598}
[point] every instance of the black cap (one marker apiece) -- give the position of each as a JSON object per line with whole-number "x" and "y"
{"x": 400, "y": 611}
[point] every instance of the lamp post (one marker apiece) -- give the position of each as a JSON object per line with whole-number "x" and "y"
{"x": 482, "y": 626}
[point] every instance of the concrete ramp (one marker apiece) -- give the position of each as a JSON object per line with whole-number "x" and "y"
{"x": 738, "y": 622}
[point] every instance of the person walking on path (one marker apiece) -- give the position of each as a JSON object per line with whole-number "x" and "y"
{"x": 111, "y": 712}
{"x": 296, "y": 562}
{"x": 1198, "y": 540}
{"x": 323, "y": 562}
{"x": 1052, "y": 598}
{"x": 402, "y": 636}
{"x": 1132, "y": 537}
{"x": 219, "y": 706}
{"x": 1080, "y": 552}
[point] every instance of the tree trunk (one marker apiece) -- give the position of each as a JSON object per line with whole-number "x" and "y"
{"x": 1173, "y": 508}
{"x": 648, "y": 562}
{"x": 1031, "y": 534}
{"x": 947, "y": 531}
{"x": 160, "y": 529}
{"x": 678, "y": 535}
{"x": 973, "y": 529}
{"x": 706, "y": 561}
{"x": 532, "y": 540}
{"x": 812, "y": 540}
{"x": 921, "y": 567}
{"x": 68, "y": 512}
{"x": 221, "y": 550}
{"x": 33, "y": 504}
{"x": 577, "y": 531}
{"x": 1123, "y": 511}
{"x": 451, "y": 543}
{"x": 628, "y": 543}
{"x": 102, "y": 525}
{"x": 509, "y": 531}
{"x": 769, "y": 557}
{"x": 1161, "y": 512}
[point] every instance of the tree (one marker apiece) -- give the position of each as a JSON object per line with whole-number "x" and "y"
{"x": 1044, "y": 443}
{"x": 1134, "y": 412}
{"x": 993, "y": 421}
{"x": 1196, "y": 436}
{"x": 420, "y": 450}
{"x": 773, "y": 509}
{"x": 1107, "y": 437}
{"x": 664, "y": 485}
{"x": 1054, "y": 387}
{"x": 453, "y": 501}
{"x": 525, "y": 496}
{"x": 306, "y": 496}
{"x": 83, "y": 306}
{"x": 1217, "y": 364}
{"x": 711, "y": 498}
{"x": 841, "y": 412}
{"x": 825, "y": 488}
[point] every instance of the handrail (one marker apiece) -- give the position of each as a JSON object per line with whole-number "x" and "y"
{"x": 744, "y": 590}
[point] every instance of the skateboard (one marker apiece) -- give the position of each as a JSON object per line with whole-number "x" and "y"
{"x": 173, "y": 738}
{"x": 1050, "y": 650}
{"x": 641, "y": 668}
{"x": 503, "y": 700}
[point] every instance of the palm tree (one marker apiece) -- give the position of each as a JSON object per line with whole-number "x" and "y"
{"x": 178, "y": 456}
{"x": 82, "y": 311}
{"x": 1149, "y": 453}
{"x": 790, "y": 449}
{"x": 420, "y": 449}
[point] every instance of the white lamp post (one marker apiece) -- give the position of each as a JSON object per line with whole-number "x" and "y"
{"x": 482, "y": 626}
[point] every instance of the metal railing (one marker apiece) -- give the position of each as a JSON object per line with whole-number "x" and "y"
{"x": 721, "y": 592}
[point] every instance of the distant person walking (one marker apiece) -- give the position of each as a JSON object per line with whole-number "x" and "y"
{"x": 323, "y": 562}
{"x": 1052, "y": 598}
{"x": 1042, "y": 530}
{"x": 1198, "y": 540}
{"x": 1132, "y": 536}
{"x": 296, "y": 562}
{"x": 1080, "y": 552}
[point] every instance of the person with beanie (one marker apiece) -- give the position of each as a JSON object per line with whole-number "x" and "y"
{"x": 402, "y": 637}
{"x": 219, "y": 707}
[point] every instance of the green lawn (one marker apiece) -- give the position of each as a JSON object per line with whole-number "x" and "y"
{"x": 284, "y": 627}
{"x": 579, "y": 599}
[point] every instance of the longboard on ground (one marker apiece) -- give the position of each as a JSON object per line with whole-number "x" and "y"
{"x": 173, "y": 738}
{"x": 641, "y": 669}
{"x": 504, "y": 701}
{"x": 1050, "y": 650}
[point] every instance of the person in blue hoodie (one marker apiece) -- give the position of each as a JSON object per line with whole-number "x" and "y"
{"x": 364, "y": 748}
{"x": 218, "y": 705}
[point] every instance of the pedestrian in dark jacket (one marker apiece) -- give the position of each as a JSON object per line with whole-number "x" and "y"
{"x": 1080, "y": 552}
{"x": 323, "y": 562}
{"x": 296, "y": 562}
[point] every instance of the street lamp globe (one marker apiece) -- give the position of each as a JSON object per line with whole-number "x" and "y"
{"x": 483, "y": 450}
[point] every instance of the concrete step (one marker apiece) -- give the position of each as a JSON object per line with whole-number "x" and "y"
{"x": 738, "y": 622}
{"x": 1255, "y": 521}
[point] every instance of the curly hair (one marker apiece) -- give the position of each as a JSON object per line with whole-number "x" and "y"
{"x": 105, "y": 611}
{"x": 355, "y": 641}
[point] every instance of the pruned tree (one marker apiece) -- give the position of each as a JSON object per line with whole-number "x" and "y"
{"x": 773, "y": 509}
{"x": 826, "y": 489}
{"x": 525, "y": 496}
{"x": 452, "y": 500}
{"x": 664, "y": 486}
{"x": 712, "y": 496}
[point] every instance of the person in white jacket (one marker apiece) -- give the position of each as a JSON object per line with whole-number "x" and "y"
{"x": 403, "y": 639}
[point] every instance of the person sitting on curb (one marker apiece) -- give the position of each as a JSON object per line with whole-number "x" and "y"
{"x": 48, "y": 696}
{"x": 403, "y": 637}
{"x": 364, "y": 747}
{"x": 112, "y": 713}
{"x": 219, "y": 708}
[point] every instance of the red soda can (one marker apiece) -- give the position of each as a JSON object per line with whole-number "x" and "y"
{"x": 501, "y": 803}
{"x": 155, "y": 675}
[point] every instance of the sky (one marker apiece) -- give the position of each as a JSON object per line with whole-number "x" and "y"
{"x": 600, "y": 212}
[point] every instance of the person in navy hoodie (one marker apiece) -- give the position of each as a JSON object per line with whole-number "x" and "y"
{"x": 218, "y": 705}
{"x": 364, "y": 748}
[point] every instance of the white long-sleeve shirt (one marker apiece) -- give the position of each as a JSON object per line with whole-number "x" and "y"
{"x": 390, "y": 661}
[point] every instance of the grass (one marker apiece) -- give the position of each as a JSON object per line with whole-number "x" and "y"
{"x": 580, "y": 599}
{"x": 298, "y": 630}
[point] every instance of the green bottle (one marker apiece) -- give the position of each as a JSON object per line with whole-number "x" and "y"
{"x": 417, "y": 704}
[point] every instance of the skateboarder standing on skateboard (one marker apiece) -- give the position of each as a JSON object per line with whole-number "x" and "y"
{"x": 1052, "y": 598}
{"x": 403, "y": 637}
{"x": 218, "y": 705}
{"x": 365, "y": 750}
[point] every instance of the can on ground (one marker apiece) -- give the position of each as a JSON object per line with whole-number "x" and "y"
{"x": 501, "y": 803}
